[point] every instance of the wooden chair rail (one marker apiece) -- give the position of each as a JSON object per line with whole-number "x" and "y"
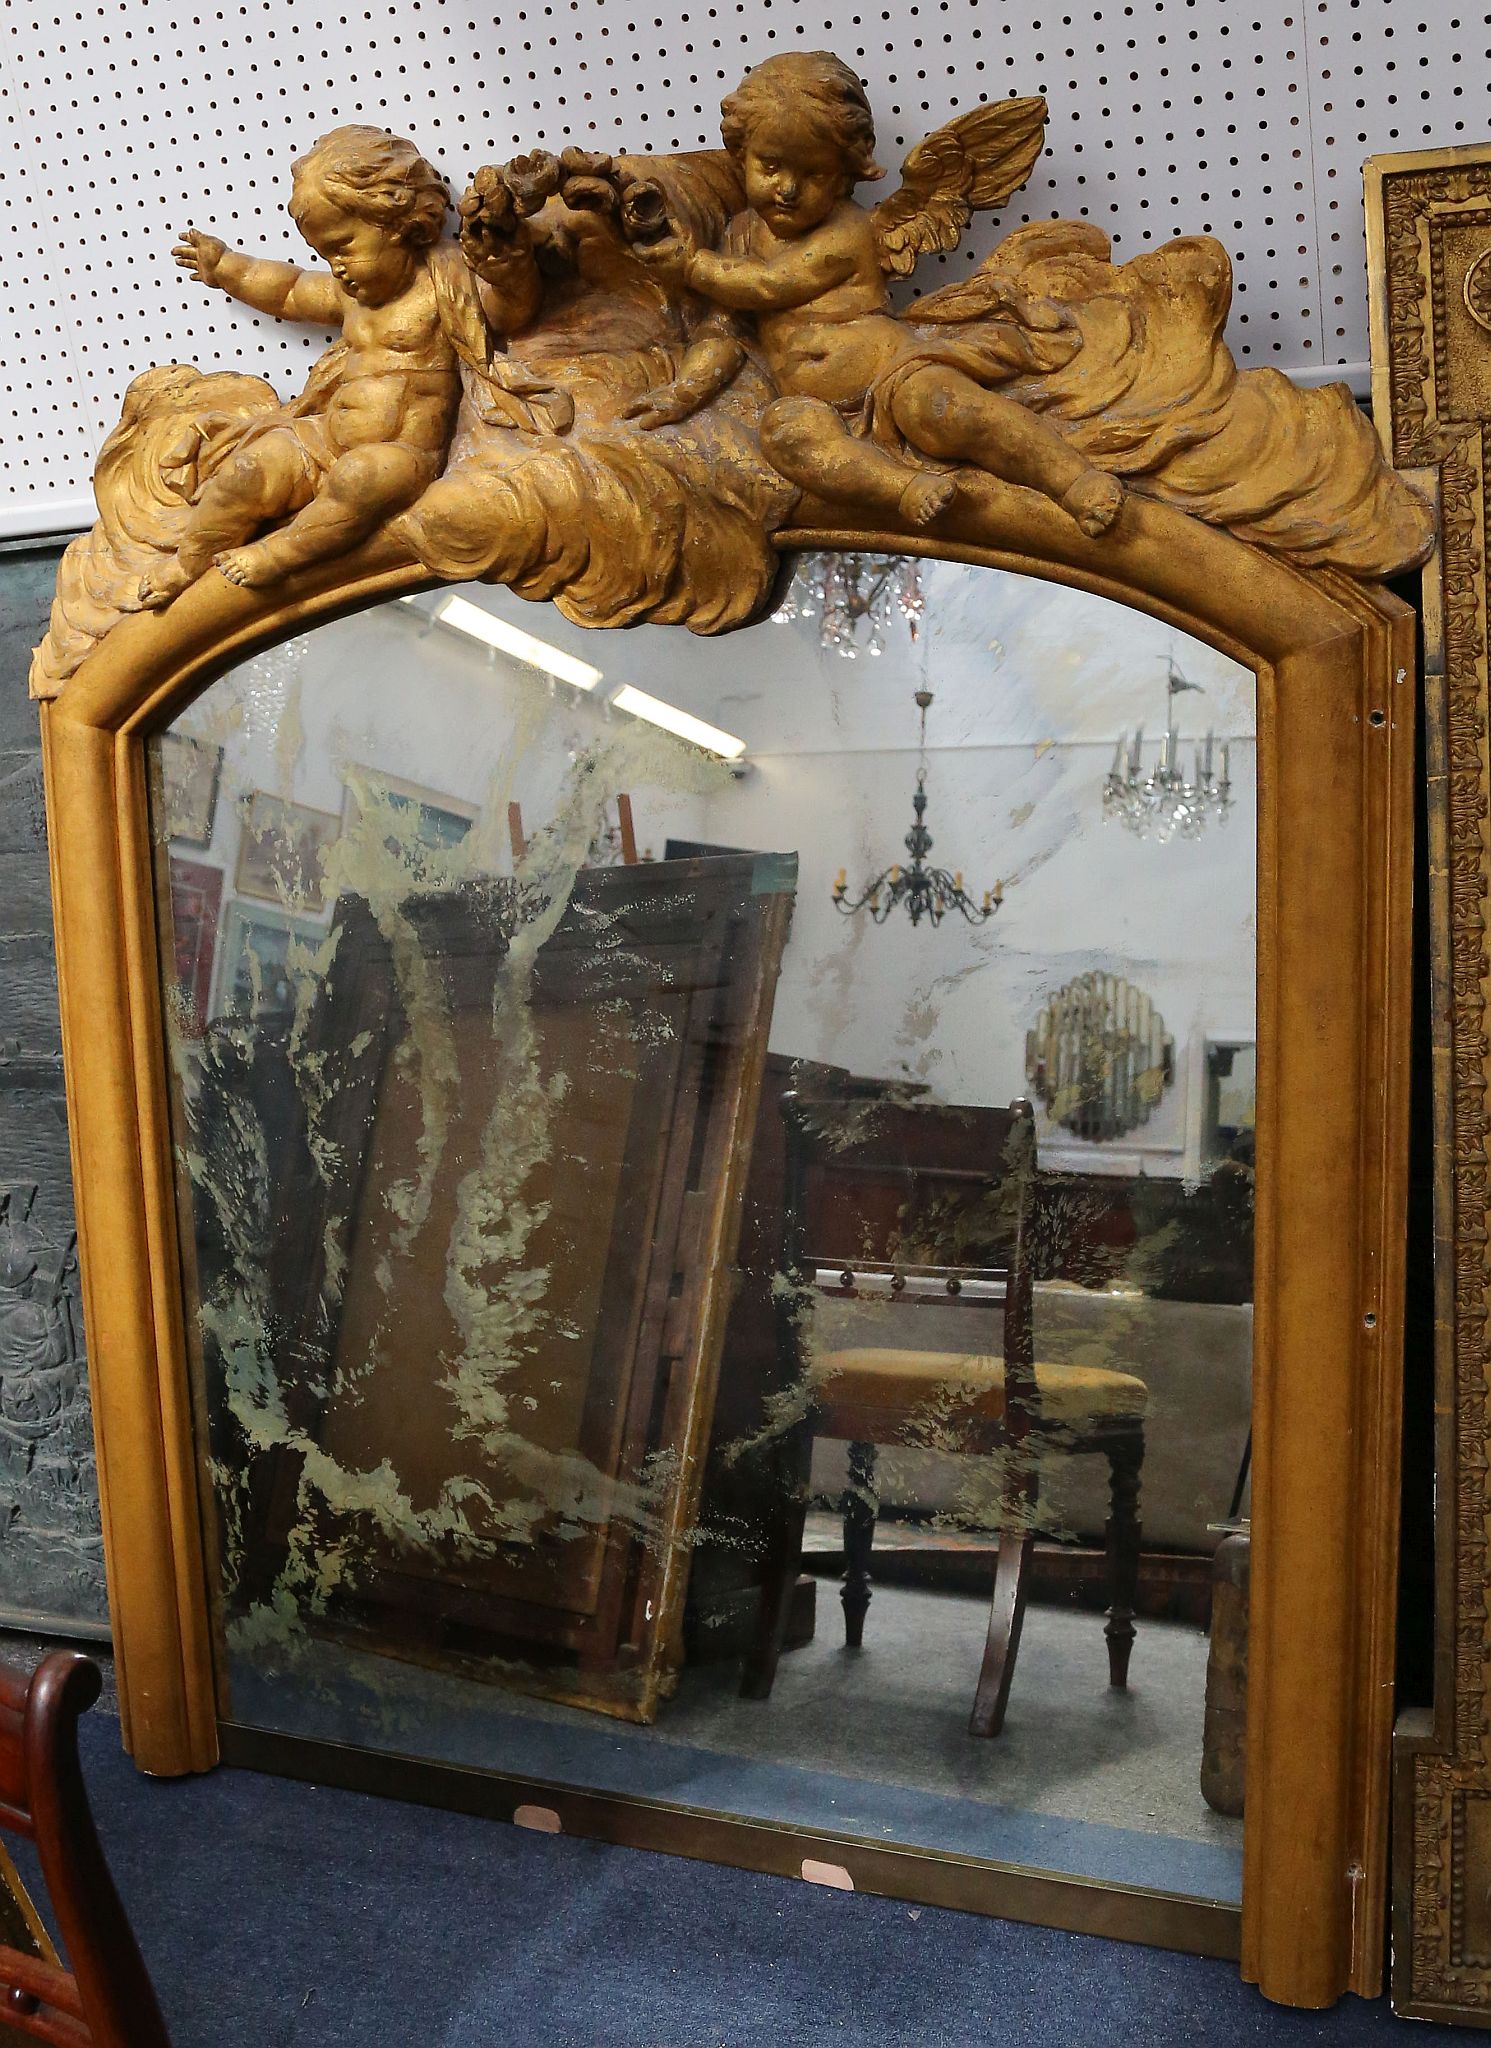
{"x": 42, "y": 2000}
{"x": 105, "y": 2000}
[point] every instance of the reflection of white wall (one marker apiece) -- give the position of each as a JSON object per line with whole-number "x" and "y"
{"x": 387, "y": 691}
{"x": 1032, "y": 685}
{"x": 952, "y": 1006}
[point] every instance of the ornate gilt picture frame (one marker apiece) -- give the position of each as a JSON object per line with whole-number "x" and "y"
{"x": 632, "y": 386}
{"x": 1429, "y": 237}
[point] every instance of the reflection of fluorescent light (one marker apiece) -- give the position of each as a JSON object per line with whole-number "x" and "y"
{"x": 485, "y": 626}
{"x": 683, "y": 723}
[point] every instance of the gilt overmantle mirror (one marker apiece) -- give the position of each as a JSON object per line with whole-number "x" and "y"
{"x": 593, "y": 1138}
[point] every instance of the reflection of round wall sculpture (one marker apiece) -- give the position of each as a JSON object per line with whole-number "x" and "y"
{"x": 1098, "y": 1057}
{"x": 1477, "y": 290}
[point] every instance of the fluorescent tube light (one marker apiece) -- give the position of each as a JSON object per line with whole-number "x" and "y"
{"x": 485, "y": 626}
{"x": 683, "y": 723}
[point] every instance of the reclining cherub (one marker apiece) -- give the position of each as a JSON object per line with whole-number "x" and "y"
{"x": 871, "y": 408}
{"x": 371, "y": 429}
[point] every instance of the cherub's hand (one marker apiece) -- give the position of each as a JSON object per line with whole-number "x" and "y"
{"x": 667, "y": 255}
{"x": 489, "y": 218}
{"x": 664, "y": 406}
{"x": 200, "y": 254}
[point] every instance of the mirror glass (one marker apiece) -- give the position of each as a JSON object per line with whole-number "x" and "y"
{"x": 716, "y": 1183}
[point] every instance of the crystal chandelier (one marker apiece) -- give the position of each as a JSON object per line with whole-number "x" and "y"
{"x": 854, "y": 598}
{"x": 1163, "y": 804}
{"x": 920, "y": 890}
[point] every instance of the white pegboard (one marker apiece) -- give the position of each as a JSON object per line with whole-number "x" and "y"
{"x": 1245, "y": 118}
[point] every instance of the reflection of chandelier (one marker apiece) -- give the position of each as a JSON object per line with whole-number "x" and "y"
{"x": 921, "y": 890}
{"x": 1162, "y": 804}
{"x": 845, "y": 592}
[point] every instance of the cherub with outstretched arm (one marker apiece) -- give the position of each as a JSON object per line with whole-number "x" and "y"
{"x": 870, "y": 407}
{"x": 372, "y": 426}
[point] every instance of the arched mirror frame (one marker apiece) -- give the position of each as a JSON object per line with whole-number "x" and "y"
{"x": 1334, "y": 663}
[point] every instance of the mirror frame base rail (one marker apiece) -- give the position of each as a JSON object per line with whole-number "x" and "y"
{"x": 929, "y": 1877}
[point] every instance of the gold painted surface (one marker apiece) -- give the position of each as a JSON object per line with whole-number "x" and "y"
{"x": 1429, "y": 240}
{"x": 615, "y": 386}
{"x": 20, "y": 1928}
{"x": 1331, "y": 921}
{"x": 1239, "y": 492}
{"x": 20, "y": 1923}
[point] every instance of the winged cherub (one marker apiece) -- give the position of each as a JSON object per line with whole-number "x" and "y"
{"x": 871, "y": 406}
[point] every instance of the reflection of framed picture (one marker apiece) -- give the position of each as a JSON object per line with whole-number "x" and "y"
{"x": 253, "y": 978}
{"x": 279, "y": 855}
{"x": 425, "y": 816}
{"x": 196, "y": 899}
{"x": 190, "y": 773}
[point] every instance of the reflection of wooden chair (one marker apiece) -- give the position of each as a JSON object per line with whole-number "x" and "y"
{"x": 874, "y": 1214}
{"x": 105, "y": 1998}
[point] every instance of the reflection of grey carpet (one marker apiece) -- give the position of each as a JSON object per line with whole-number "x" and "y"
{"x": 898, "y": 1710}
{"x": 1084, "y": 1780}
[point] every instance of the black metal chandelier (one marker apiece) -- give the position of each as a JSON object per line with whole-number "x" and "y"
{"x": 919, "y": 889}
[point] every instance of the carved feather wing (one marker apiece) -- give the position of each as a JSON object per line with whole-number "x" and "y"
{"x": 504, "y": 394}
{"x": 459, "y": 303}
{"x": 970, "y": 166}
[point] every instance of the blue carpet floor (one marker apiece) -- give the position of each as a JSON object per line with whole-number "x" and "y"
{"x": 273, "y": 1914}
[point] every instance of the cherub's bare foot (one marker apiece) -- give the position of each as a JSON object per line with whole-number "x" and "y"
{"x": 159, "y": 585}
{"x": 250, "y": 567}
{"x": 1094, "y": 501}
{"x": 925, "y": 496}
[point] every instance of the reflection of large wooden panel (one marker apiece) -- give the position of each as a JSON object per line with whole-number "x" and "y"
{"x": 564, "y": 1389}
{"x": 536, "y": 1195}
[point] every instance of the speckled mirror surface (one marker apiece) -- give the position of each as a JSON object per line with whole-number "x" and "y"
{"x": 690, "y": 1148}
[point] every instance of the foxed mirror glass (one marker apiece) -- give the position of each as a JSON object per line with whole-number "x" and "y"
{"x": 716, "y": 1188}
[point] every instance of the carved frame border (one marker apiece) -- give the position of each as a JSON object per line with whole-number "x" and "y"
{"x": 1442, "y": 1862}
{"x": 1334, "y": 661}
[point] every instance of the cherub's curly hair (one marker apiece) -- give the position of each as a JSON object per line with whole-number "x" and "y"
{"x": 827, "y": 92}
{"x": 380, "y": 178}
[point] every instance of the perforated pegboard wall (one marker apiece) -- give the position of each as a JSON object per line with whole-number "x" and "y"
{"x": 1249, "y": 118}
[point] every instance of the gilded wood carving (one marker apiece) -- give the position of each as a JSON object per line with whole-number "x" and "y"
{"x": 1429, "y": 227}
{"x": 627, "y": 384}
{"x": 626, "y": 374}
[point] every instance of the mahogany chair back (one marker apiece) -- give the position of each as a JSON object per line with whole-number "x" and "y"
{"x": 872, "y": 1197}
{"x": 105, "y": 1998}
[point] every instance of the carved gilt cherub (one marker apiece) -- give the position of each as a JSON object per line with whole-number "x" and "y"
{"x": 371, "y": 429}
{"x": 871, "y": 407}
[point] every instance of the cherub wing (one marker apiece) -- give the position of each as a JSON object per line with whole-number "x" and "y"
{"x": 973, "y": 164}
